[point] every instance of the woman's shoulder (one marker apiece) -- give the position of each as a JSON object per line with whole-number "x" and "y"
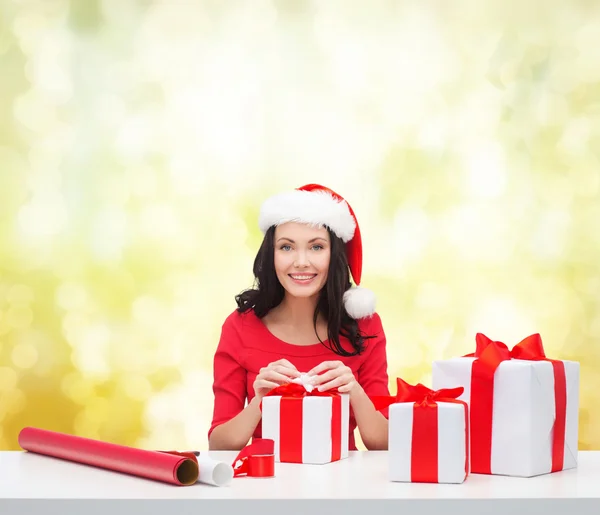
{"x": 238, "y": 320}
{"x": 370, "y": 325}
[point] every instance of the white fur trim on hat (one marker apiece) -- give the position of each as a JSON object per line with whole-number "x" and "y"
{"x": 309, "y": 207}
{"x": 359, "y": 302}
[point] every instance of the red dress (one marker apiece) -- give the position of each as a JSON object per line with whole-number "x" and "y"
{"x": 246, "y": 346}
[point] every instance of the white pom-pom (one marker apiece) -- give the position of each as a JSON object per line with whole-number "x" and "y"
{"x": 359, "y": 302}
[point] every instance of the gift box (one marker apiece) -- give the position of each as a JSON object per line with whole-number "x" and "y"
{"x": 306, "y": 426}
{"x": 428, "y": 434}
{"x": 523, "y": 406}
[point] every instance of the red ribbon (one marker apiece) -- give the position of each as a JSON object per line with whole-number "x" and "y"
{"x": 290, "y": 421}
{"x": 489, "y": 355}
{"x": 424, "y": 452}
{"x": 256, "y": 459}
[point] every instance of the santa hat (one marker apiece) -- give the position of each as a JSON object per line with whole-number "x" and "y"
{"x": 314, "y": 204}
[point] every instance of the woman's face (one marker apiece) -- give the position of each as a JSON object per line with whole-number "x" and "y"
{"x": 302, "y": 256}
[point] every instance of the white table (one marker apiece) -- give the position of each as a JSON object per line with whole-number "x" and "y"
{"x": 35, "y": 484}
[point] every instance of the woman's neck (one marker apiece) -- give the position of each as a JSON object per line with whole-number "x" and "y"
{"x": 298, "y": 311}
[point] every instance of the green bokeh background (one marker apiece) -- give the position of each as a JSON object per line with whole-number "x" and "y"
{"x": 138, "y": 140}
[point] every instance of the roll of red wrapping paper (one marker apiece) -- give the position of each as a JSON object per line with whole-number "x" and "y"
{"x": 160, "y": 466}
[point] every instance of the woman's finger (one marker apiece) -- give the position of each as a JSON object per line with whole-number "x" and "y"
{"x": 263, "y": 383}
{"x": 326, "y": 365}
{"x": 335, "y": 383}
{"x": 286, "y": 371}
{"x": 272, "y": 375}
{"x": 285, "y": 363}
{"x": 345, "y": 388}
{"x": 327, "y": 376}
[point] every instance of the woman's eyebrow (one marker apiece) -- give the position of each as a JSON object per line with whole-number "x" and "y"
{"x": 310, "y": 241}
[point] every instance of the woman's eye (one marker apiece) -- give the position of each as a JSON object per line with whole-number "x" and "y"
{"x": 317, "y": 247}
{"x": 285, "y": 247}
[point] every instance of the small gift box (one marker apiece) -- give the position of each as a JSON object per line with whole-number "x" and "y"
{"x": 306, "y": 425}
{"x": 523, "y": 406}
{"x": 428, "y": 434}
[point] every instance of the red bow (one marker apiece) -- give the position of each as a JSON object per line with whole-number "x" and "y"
{"x": 419, "y": 394}
{"x": 297, "y": 390}
{"x": 489, "y": 355}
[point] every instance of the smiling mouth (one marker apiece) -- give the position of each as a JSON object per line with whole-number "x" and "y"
{"x": 302, "y": 278}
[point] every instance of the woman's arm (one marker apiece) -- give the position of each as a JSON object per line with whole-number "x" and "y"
{"x": 233, "y": 423}
{"x": 371, "y": 380}
{"x": 373, "y": 426}
{"x": 236, "y": 433}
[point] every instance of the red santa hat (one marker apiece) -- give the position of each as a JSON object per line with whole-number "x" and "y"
{"x": 314, "y": 204}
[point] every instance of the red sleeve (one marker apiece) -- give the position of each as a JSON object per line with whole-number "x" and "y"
{"x": 372, "y": 374}
{"x": 229, "y": 385}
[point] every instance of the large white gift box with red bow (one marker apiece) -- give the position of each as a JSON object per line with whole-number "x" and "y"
{"x": 523, "y": 407}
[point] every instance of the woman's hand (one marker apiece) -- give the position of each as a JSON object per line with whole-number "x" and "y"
{"x": 273, "y": 375}
{"x": 333, "y": 375}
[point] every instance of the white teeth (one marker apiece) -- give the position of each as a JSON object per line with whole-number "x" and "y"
{"x": 302, "y": 277}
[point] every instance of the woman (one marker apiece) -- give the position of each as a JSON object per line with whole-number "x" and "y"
{"x": 303, "y": 317}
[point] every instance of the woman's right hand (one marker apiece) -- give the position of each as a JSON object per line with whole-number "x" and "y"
{"x": 273, "y": 375}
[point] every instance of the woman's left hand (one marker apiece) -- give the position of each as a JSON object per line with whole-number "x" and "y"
{"x": 333, "y": 375}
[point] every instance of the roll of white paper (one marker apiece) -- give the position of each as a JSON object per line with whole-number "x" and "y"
{"x": 213, "y": 472}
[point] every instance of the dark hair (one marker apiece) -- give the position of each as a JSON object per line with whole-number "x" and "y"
{"x": 268, "y": 293}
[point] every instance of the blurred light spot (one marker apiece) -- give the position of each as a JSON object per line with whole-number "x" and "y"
{"x": 5, "y": 328}
{"x": 487, "y": 174}
{"x": 19, "y": 317}
{"x": 159, "y": 221}
{"x": 71, "y": 296}
{"x": 90, "y": 351}
{"x": 586, "y": 181}
{"x": 586, "y": 41}
{"x": 85, "y": 427}
{"x": 411, "y": 355}
{"x": 42, "y": 217}
{"x": 77, "y": 388}
{"x": 576, "y": 136}
{"x": 548, "y": 241}
{"x": 110, "y": 109}
{"x": 147, "y": 309}
{"x": 109, "y": 234}
{"x": 411, "y": 234}
{"x": 8, "y": 378}
{"x": 137, "y": 387}
{"x": 20, "y": 294}
{"x": 143, "y": 182}
{"x": 74, "y": 324}
{"x": 433, "y": 133}
{"x": 127, "y": 357}
{"x": 594, "y": 330}
{"x": 501, "y": 319}
{"x": 432, "y": 296}
{"x": 24, "y": 355}
{"x": 34, "y": 112}
{"x": 96, "y": 410}
{"x": 186, "y": 176}
{"x": 551, "y": 109}
{"x": 12, "y": 402}
{"x": 133, "y": 136}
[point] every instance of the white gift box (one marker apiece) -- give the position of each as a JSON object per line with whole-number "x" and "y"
{"x": 316, "y": 443}
{"x": 523, "y": 414}
{"x": 451, "y": 442}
